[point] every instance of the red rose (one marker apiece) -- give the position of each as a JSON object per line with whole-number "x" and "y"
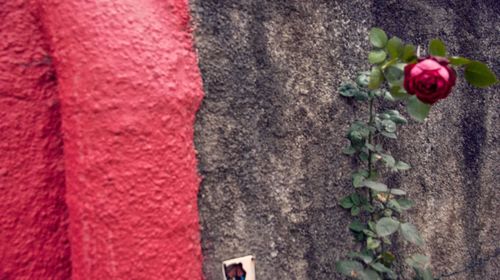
{"x": 430, "y": 79}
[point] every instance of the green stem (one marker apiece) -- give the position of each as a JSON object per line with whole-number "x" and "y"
{"x": 370, "y": 153}
{"x": 370, "y": 141}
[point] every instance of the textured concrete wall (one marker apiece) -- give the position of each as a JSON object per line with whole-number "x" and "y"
{"x": 271, "y": 127}
{"x": 33, "y": 213}
{"x": 129, "y": 88}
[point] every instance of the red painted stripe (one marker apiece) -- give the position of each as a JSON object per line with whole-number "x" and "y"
{"x": 129, "y": 86}
{"x": 33, "y": 214}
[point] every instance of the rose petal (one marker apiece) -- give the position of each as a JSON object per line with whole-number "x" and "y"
{"x": 408, "y": 87}
{"x": 441, "y": 84}
{"x": 407, "y": 84}
{"x": 408, "y": 68}
{"x": 430, "y": 79}
{"x": 414, "y": 85}
{"x": 423, "y": 88}
{"x": 444, "y": 90}
{"x": 444, "y": 73}
{"x": 428, "y": 64}
{"x": 415, "y": 71}
{"x": 427, "y": 99}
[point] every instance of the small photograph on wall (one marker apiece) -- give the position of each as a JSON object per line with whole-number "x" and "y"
{"x": 239, "y": 269}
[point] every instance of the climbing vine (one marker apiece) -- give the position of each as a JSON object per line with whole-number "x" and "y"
{"x": 398, "y": 74}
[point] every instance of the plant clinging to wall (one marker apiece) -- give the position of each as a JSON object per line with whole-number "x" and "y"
{"x": 397, "y": 75}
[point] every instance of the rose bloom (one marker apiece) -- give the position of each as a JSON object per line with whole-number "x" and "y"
{"x": 430, "y": 79}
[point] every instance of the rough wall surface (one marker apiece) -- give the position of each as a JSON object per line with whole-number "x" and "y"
{"x": 271, "y": 127}
{"x": 129, "y": 88}
{"x": 33, "y": 214}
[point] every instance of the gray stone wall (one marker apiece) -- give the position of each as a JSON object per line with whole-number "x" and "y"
{"x": 270, "y": 131}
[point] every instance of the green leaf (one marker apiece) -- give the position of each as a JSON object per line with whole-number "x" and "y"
{"x": 357, "y": 135}
{"x": 349, "y": 151}
{"x": 349, "y": 268}
{"x": 376, "y": 78}
{"x": 388, "y": 96}
{"x": 369, "y": 233}
{"x": 360, "y": 127}
{"x": 369, "y": 274}
{"x": 392, "y": 113}
{"x": 365, "y": 257}
{"x": 389, "y": 126}
{"x": 395, "y": 47}
{"x": 394, "y": 75}
{"x": 402, "y": 166}
{"x": 361, "y": 95}
{"x": 437, "y": 48}
{"x": 458, "y": 61}
{"x": 418, "y": 261}
{"x": 363, "y": 79}
{"x": 376, "y": 186}
{"x": 374, "y": 174}
{"x": 386, "y": 226}
{"x": 388, "y": 258}
{"x": 417, "y": 109}
{"x": 377, "y": 93}
{"x": 377, "y": 56}
{"x": 393, "y": 204}
{"x": 390, "y": 135}
{"x": 357, "y": 181}
{"x": 355, "y": 199}
{"x": 389, "y": 160}
{"x": 397, "y": 192}
{"x": 420, "y": 264}
{"x": 346, "y": 202}
{"x": 359, "y": 236}
{"x": 396, "y": 117}
{"x": 378, "y": 38}
{"x": 358, "y": 177}
{"x": 370, "y": 147}
{"x": 363, "y": 200}
{"x": 363, "y": 156}
{"x": 387, "y": 212}
{"x": 405, "y": 204}
{"x": 383, "y": 269}
{"x": 348, "y": 90}
{"x": 399, "y": 93}
{"x": 427, "y": 274}
{"x": 479, "y": 75}
{"x": 355, "y": 210}
{"x": 386, "y": 240}
{"x": 410, "y": 233}
{"x": 357, "y": 139}
{"x": 372, "y": 243}
{"x": 409, "y": 54}
{"x": 368, "y": 208}
{"x": 371, "y": 225}
{"x": 357, "y": 226}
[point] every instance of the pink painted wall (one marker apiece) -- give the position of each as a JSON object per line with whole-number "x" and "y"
{"x": 129, "y": 87}
{"x": 33, "y": 214}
